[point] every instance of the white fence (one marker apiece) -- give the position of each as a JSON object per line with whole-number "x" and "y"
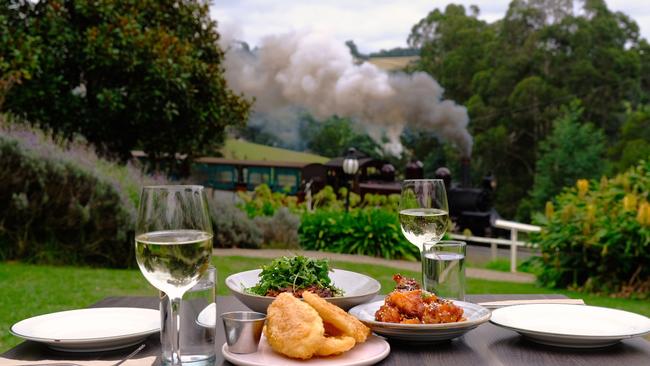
{"x": 513, "y": 242}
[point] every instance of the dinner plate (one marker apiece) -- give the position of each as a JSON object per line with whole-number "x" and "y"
{"x": 373, "y": 350}
{"x": 90, "y": 330}
{"x": 357, "y": 289}
{"x": 422, "y": 333}
{"x": 574, "y": 326}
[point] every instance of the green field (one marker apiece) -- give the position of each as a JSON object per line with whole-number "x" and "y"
{"x": 29, "y": 290}
{"x": 244, "y": 150}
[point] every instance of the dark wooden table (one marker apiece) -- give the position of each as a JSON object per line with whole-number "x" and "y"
{"x": 485, "y": 345}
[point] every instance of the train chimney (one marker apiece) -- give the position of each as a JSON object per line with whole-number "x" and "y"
{"x": 414, "y": 169}
{"x": 465, "y": 180}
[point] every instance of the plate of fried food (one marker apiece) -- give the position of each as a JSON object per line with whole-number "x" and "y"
{"x": 411, "y": 314}
{"x": 312, "y": 332}
{"x": 259, "y": 287}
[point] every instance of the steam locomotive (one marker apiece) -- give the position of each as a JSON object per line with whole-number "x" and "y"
{"x": 470, "y": 207}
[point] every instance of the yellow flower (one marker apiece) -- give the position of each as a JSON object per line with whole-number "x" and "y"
{"x": 549, "y": 210}
{"x": 629, "y": 202}
{"x": 603, "y": 183}
{"x": 583, "y": 187}
{"x": 643, "y": 215}
{"x": 568, "y": 212}
{"x": 591, "y": 213}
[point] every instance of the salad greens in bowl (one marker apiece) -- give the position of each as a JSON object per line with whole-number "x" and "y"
{"x": 257, "y": 288}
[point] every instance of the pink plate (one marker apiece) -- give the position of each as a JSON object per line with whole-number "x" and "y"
{"x": 370, "y": 352}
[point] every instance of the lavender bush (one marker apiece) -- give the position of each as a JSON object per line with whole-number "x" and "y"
{"x": 61, "y": 204}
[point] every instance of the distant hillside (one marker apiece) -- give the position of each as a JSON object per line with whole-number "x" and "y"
{"x": 392, "y": 63}
{"x": 244, "y": 150}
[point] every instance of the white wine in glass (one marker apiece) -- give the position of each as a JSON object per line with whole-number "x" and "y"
{"x": 423, "y": 211}
{"x": 173, "y": 245}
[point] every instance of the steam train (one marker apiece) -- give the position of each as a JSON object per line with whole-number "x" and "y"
{"x": 470, "y": 207}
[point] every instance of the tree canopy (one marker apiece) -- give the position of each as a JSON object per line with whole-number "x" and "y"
{"x": 124, "y": 74}
{"x": 515, "y": 74}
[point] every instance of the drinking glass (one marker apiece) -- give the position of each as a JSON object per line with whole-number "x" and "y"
{"x": 443, "y": 269}
{"x": 423, "y": 211}
{"x": 173, "y": 244}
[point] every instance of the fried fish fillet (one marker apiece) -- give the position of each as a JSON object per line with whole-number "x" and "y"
{"x": 293, "y": 328}
{"x": 335, "y": 345}
{"x": 338, "y": 318}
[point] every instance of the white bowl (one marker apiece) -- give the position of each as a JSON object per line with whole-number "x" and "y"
{"x": 357, "y": 289}
{"x": 422, "y": 333}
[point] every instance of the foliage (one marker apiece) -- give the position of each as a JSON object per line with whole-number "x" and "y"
{"x": 372, "y": 231}
{"x": 573, "y": 150}
{"x": 396, "y": 52}
{"x": 634, "y": 142}
{"x": 279, "y": 231}
{"x": 335, "y": 135}
{"x": 295, "y": 273}
{"x": 597, "y": 235}
{"x": 232, "y": 227}
{"x": 515, "y": 74}
{"x": 18, "y": 56}
{"x": 64, "y": 205}
{"x": 124, "y": 74}
{"x": 264, "y": 202}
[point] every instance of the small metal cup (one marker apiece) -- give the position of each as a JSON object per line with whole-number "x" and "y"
{"x": 243, "y": 330}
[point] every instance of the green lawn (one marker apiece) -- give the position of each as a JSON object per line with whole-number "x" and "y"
{"x": 29, "y": 290}
{"x": 244, "y": 150}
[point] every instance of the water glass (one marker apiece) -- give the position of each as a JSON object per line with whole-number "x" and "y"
{"x": 198, "y": 323}
{"x": 443, "y": 268}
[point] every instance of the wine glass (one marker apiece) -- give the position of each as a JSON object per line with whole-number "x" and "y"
{"x": 423, "y": 211}
{"x": 173, "y": 245}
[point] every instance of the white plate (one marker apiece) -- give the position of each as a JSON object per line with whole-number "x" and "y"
{"x": 90, "y": 330}
{"x": 357, "y": 289}
{"x": 475, "y": 314}
{"x": 575, "y": 326}
{"x": 208, "y": 317}
{"x": 373, "y": 350}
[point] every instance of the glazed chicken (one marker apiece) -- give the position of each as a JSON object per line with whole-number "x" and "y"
{"x": 408, "y": 304}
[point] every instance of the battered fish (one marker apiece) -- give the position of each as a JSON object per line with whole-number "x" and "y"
{"x": 293, "y": 328}
{"x": 338, "y": 318}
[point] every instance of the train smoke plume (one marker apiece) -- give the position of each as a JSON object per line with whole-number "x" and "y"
{"x": 316, "y": 72}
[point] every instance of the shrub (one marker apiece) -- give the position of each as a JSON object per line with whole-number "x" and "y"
{"x": 232, "y": 227}
{"x": 281, "y": 230}
{"x": 63, "y": 205}
{"x": 264, "y": 202}
{"x": 372, "y": 231}
{"x": 596, "y": 235}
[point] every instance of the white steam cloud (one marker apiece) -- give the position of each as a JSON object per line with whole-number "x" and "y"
{"x": 315, "y": 72}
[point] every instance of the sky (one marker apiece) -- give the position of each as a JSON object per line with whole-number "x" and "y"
{"x": 372, "y": 24}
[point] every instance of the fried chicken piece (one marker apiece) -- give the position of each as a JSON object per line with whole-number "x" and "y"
{"x": 405, "y": 283}
{"x": 337, "y": 317}
{"x": 411, "y": 321}
{"x": 293, "y": 328}
{"x": 442, "y": 312}
{"x": 388, "y": 314}
{"x": 409, "y": 303}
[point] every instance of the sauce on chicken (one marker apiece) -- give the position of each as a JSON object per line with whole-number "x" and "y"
{"x": 409, "y": 304}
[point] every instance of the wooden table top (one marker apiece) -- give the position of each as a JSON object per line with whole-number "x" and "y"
{"x": 485, "y": 345}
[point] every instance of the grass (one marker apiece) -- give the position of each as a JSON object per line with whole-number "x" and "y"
{"x": 29, "y": 290}
{"x": 392, "y": 63}
{"x": 244, "y": 150}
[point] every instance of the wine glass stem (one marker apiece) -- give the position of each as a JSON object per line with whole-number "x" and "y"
{"x": 175, "y": 307}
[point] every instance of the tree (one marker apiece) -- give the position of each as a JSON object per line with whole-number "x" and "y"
{"x": 127, "y": 75}
{"x": 335, "y": 135}
{"x": 573, "y": 150}
{"x": 634, "y": 142}
{"x": 515, "y": 74}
